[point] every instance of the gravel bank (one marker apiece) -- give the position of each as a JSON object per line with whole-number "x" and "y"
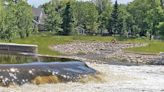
{"x": 104, "y": 51}
{"x": 116, "y": 78}
{"x": 92, "y": 47}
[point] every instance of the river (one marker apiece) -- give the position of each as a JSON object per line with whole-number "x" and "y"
{"x": 115, "y": 78}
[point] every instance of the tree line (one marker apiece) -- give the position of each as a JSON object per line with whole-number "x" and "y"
{"x": 136, "y": 19}
{"x": 15, "y": 19}
{"x": 95, "y": 17}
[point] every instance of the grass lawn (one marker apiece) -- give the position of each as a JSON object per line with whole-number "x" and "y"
{"x": 44, "y": 42}
{"x": 154, "y": 47}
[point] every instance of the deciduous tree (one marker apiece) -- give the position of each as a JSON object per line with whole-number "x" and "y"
{"x": 53, "y": 20}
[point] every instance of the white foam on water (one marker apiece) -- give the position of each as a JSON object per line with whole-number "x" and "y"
{"x": 117, "y": 79}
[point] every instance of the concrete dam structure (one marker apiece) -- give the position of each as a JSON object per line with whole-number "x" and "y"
{"x": 12, "y": 48}
{"x": 39, "y": 72}
{"x": 54, "y": 71}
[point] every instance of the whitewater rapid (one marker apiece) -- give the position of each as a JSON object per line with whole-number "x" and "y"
{"x": 116, "y": 78}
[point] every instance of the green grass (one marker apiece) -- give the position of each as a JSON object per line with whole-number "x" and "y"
{"x": 44, "y": 42}
{"x": 132, "y": 40}
{"x": 154, "y": 47}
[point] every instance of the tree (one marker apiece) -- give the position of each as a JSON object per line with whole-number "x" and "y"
{"x": 57, "y": 4}
{"x": 1, "y": 16}
{"x": 8, "y": 25}
{"x": 138, "y": 9}
{"x": 126, "y": 22}
{"x": 154, "y": 16}
{"x": 86, "y": 15}
{"x": 104, "y": 9}
{"x": 1, "y": 7}
{"x": 162, "y": 3}
{"x": 24, "y": 18}
{"x": 53, "y": 20}
{"x": 161, "y": 28}
{"x": 16, "y": 19}
{"x": 68, "y": 20}
{"x": 114, "y": 21}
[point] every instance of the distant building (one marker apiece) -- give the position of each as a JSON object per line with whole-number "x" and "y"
{"x": 39, "y": 17}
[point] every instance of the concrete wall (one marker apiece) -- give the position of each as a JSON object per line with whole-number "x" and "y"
{"x": 17, "y": 48}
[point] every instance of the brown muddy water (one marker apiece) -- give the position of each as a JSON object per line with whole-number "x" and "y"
{"x": 111, "y": 78}
{"x": 116, "y": 78}
{"x": 20, "y": 70}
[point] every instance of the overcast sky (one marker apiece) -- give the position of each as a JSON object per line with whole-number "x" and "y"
{"x": 39, "y": 2}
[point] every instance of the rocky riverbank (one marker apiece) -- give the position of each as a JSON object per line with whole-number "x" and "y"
{"x": 106, "y": 51}
{"x": 116, "y": 78}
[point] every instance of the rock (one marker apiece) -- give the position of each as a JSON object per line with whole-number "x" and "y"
{"x": 161, "y": 54}
{"x": 107, "y": 49}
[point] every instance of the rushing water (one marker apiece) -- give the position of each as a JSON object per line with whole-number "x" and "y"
{"x": 111, "y": 78}
{"x": 18, "y": 70}
{"x": 116, "y": 78}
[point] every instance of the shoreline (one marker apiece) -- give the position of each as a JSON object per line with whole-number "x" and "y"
{"x": 104, "y": 51}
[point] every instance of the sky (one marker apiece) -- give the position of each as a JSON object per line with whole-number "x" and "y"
{"x": 122, "y": 1}
{"x": 39, "y": 2}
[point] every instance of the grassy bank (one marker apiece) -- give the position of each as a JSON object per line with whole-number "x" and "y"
{"x": 154, "y": 47}
{"x": 44, "y": 42}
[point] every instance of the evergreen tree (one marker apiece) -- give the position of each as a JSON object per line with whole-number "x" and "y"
{"x": 68, "y": 20}
{"x": 114, "y": 21}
